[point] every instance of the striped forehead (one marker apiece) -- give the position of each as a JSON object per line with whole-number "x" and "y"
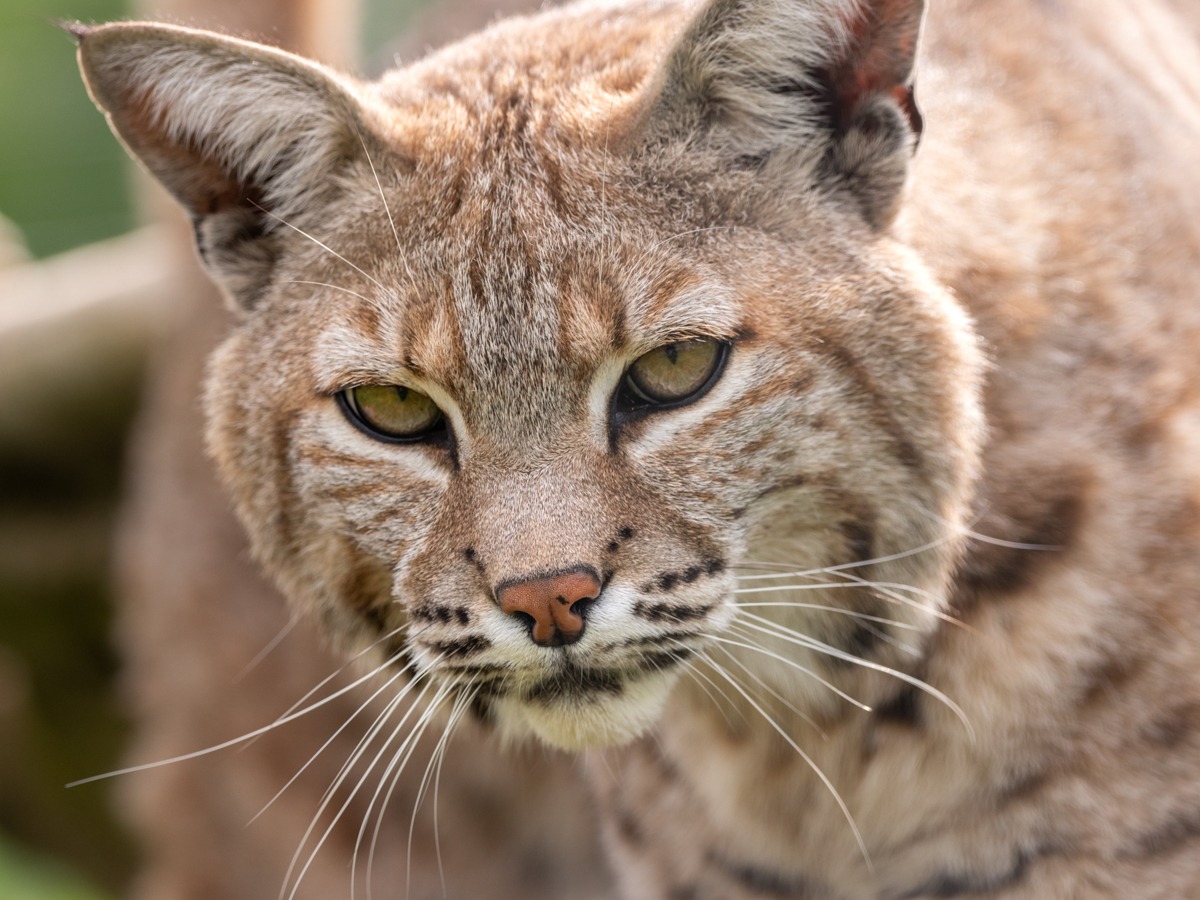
{"x": 550, "y": 314}
{"x": 545, "y": 321}
{"x": 507, "y": 299}
{"x": 507, "y": 310}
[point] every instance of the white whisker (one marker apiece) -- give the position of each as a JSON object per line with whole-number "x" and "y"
{"x": 332, "y": 287}
{"x": 697, "y": 676}
{"x": 325, "y": 247}
{"x": 766, "y": 626}
{"x": 895, "y": 592}
{"x": 392, "y": 706}
{"x": 1012, "y": 545}
{"x": 389, "y": 778}
{"x": 838, "y": 610}
{"x": 343, "y": 773}
{"x": 787, "y": 704}
{"x": 233, "y": 742}
{"x": 423, "y": 788}
{"x": 886, "y": 590}
{"x": 386, "y": 208}
{"x": 340, "y": 669}
{"x": 808, "y": 760}
{"x": 462, "y": 703}
{"x": 354, "y": 715}
{"x": 348, "y": 663}
{"x": 682, "y": 234}
{"x": 372, "y": 732}
{"x": 812, "y": 586}
{"x": 794, "y": 665}
{"x": 839, "y": 567}
{"x": 968, "y": 531}
{"x": 265, "y": 651}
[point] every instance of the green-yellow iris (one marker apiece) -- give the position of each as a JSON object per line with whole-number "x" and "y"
{"x": 674, "y": 371}
{"x": 394, "y": 411}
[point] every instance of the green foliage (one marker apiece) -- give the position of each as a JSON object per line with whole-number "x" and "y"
{"x": 23, "y": 877}
{"x": 63, "y": 179}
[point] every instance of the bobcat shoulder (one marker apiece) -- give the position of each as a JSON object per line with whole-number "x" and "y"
{"x": 679, "y": 385}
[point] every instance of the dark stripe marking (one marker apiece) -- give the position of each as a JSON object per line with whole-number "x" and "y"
{"x": 458, "y": 648}
{"x": 881, "y": 404}
{"x": 770, "y": 883}
{"x": 1057, "y": 515}
{"x": 1177, "y": 830}
{"x": 1173, "y": 728}
{"x": 672, "y": 613}
{"x": 666, "y": 659}
{"x": 668, "y": 581}
{"x": 432, "y": 612}
{"x": 961, "y": 884}
{"x": 903, "y": 709}
{"x": 573, "y": 681}
{"x": 656, "y": 640}
{"x": 628, "y": 826}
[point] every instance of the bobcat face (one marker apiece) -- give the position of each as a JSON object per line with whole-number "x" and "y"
{"x": 536, "y": 358}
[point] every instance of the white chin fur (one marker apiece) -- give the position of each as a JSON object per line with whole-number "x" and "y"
{"x": 589, "y": 722}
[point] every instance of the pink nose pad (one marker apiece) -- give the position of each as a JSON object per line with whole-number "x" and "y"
{"x": 553, "y": 605}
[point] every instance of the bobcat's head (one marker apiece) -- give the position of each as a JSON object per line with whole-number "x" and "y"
{"x": 569, "y": 357}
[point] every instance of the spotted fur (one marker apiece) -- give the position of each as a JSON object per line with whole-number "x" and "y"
{"x": 904, "y": 605}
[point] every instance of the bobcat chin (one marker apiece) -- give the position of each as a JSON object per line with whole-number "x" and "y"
{"x": 680, "y": 384}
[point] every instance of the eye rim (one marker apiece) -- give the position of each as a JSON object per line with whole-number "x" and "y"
{"x": 629, "y": 403}
{"x": 438, "y": 432}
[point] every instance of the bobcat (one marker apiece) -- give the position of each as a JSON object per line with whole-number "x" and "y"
{"x": 660, "y": 382}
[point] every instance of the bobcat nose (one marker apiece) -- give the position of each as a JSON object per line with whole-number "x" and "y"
{"x": 554, "y": 606}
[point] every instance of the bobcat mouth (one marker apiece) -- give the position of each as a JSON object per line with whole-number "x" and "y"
{"x": 577, "y": 707}
{"x": 572, "y": 682}
{"x": 577, "y": 701}
{"x": 569, "y": 682}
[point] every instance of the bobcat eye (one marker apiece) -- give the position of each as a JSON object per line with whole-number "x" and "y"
{"x": 672, "y": 374}
{"x": 391, "y": 412}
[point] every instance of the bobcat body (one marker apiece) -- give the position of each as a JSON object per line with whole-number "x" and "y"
{"x": 826, "y": 470}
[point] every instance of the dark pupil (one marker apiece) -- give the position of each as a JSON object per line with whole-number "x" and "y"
{"x": 672, "y": 352}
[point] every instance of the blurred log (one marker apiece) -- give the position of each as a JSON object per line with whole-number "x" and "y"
{"x": 74, "y": 317}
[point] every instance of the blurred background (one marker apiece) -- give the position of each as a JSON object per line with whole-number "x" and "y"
{"x": 82, "y": 304}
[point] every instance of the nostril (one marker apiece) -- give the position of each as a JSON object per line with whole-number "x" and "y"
{"x": 580, "y": 607}
{"x": 524, "y": 618}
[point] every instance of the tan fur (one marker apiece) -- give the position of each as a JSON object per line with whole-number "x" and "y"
{"x": 961, "y": 397}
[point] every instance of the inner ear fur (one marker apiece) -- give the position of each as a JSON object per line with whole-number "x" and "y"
{"x": 826, "y": 84}
{"x": 242, "y": 135}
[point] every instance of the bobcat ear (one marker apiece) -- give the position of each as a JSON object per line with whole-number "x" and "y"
{"x": 232, "y": 129}
{"x": 827, "y": 84}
